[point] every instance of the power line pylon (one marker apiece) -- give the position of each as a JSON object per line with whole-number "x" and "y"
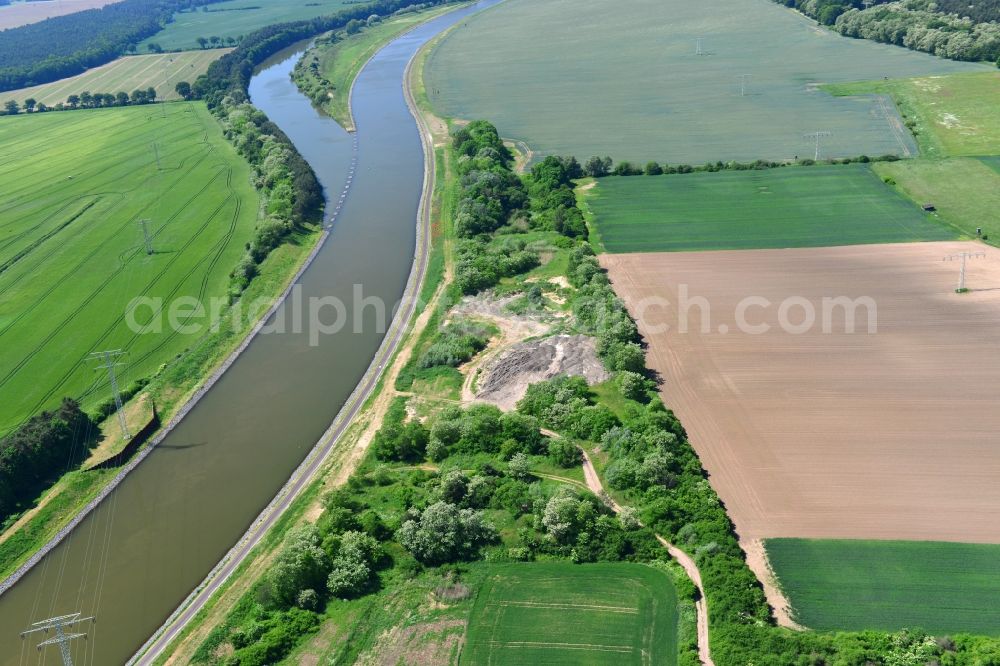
{"x": 964, "y": 257}
{"x": 744, "y": 78}
{"x": 144, "y": 225}
{"x": 110, "y": 360}
{"x": 817, "y": 136}
{"x": 62, "y": 639}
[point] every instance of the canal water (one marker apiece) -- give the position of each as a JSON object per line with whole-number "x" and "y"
{"x": 139, "y": 554}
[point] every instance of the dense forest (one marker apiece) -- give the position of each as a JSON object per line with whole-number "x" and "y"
{"x": 67, "y": 45}
{"x": 955, "y": 29}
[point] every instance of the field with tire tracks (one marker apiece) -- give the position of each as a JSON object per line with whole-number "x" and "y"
{"x": 73, "y": 189}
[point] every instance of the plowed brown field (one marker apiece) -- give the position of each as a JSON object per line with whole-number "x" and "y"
{"x": 24, "y": 13}
{"x": 893, "y": 434}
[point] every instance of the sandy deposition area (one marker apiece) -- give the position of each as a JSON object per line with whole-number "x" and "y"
{"x": 893, "y": 434}
{"x": 23, "y": 13}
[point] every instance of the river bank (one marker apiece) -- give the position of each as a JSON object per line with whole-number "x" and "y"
{"x": 180, "y": 638}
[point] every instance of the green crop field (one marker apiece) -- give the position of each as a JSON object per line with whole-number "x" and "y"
{"x": 73, "y": 187}
{"x": 952, "y": 115}
{"x": 852, "y": 585}
{"x": 573, "y": 614}
{"x": 651, "y": 97}
{"x": 965, "y": 190}
{"x": 736, "y": 210}
{"x": 161, "y": 71}
{"x": 236, "y": 18}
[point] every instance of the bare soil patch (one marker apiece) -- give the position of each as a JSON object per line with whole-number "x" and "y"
{"x": 425, "y": 643}
{"x": 505, "y": 380}
{"x": 24, "y": 13}
{"x": 891, "y": 435}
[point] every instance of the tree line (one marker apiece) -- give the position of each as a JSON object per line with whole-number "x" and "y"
{"x": 67, "y": 45}
{"x": 953, "y": 29}
{"x": 38, "y": 450}
{"x": 85, "y": 100}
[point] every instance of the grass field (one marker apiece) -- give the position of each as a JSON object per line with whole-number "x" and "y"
{"x": 852, "y": 585}
{"x": 735, "y": 210}
{"x": 573, "y": 614}
{"x": 965, "y": 190}
{"x": 161, "y": 71}
{"x": 952, "y": 115}
{"x": 73, "y": 187}
{"x": 650, "y": 96}
{"x": 236, "y": 18}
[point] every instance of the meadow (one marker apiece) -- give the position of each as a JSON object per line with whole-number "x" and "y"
{"x": 161, "y": 71}
{"x": 583, "y": 90}
{"x": 951, "y": 115}
{"x": 736, "y": 210}
{"x": 73, "y": 188}
{"x": 561, "y": 613}
{"x": 965, "y": 190}
{"x": 853, "y": 585}
{"x": 235, "y": 19}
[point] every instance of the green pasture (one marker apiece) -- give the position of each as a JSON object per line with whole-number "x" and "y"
{"x": 736, "y": 210}
{"x": 235, "y": 19}
{"x": 561, "y": 613}
{"x": 162, "y": 71}
{"x": 942, "y": 588}
{"x": 73, "y": 189}
{"x": 952, "y": 115}
{"x": 559, "y": 75}
{"x": 965, "y": 190}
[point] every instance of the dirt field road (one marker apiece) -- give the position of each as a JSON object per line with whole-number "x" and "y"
{"x": 685, "y": 560}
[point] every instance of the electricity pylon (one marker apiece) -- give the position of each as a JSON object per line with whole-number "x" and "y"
{"x": 817, "y": 136}
{"x": 743, "y": 83}
{"x": 964, "y": 257}
{"x": 110, "y": 360}
{"x": 144, "y": 225}
{"x": 62, "y": 639}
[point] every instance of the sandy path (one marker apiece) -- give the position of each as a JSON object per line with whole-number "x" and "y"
{"x": 593, "y": 481}
{"x": 759, "y": 563}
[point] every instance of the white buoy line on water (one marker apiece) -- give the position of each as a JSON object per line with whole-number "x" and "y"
{"x": 347, "y": 183}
